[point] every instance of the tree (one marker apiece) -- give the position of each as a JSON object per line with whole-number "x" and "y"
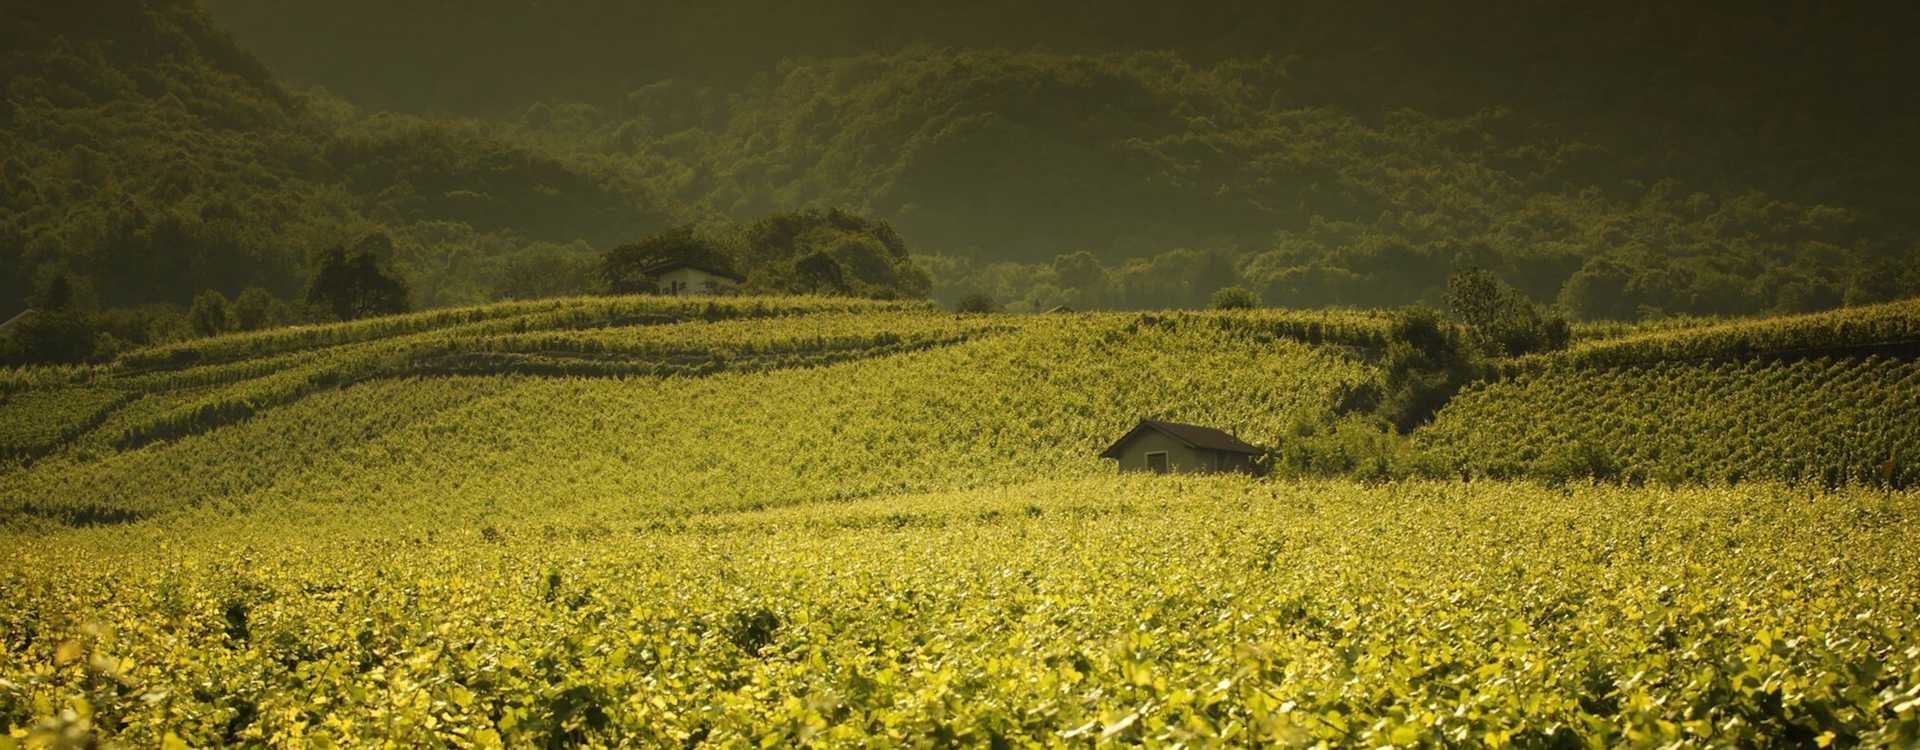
{"x": 253, "y": 309}
{"x": 789, "y": 252}
{"x": 1426, "y": 363}
{"x": 818, "y": 273}
{"x": 354, "y": 285}
{"x": 1500, "y": 319}
{"x": 976, "y": 302}
{"x": 1603, "y": 289}
{"x": 55, "y": 295}
{"x": 545, "y": 271}
{"x": 208, "y": 315}
{"x": 1078, "y": 270}
{"x": 626, "y": 269}
{"x": 1234, "y": 298}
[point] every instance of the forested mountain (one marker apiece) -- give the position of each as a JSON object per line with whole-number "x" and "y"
{"x": 1626, "y": 159}
{"x": 1623, "y": 162}
{"x": 149, "y": 158}
{"x": 1812, "y": 100}
{"x": 1180, "y": 178}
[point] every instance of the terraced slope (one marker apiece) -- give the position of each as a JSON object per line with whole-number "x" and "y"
{"x": 621, "y": 523}
{"x": 677, "y": 417}
{"x": 1888, "y": 329}
{"x": 1830, "y": 398}
{"x": 1833, "y": 421}
{"x": 197, "y": 385}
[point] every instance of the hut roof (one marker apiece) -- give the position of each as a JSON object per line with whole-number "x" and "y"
{"x": 1192, "y": 436}
{"x": 712, "y": 268}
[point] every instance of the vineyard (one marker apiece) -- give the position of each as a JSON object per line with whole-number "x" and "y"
{"x": 1893, "y": 328}
{"x": 1826, "y": 420}
{"x": 1160, "y": 611}
{"x": 777, "y": 522}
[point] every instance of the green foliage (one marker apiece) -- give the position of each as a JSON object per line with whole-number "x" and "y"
{"x": 254, "y": 309}
{"x": 1355, "y": 446}
{"x": 1858, "y": 331}
{"x": 1501, "y": 320}
{"x": 915, "y": 542}
{"x": 56, "y": 295}
{"x": 1234, "y": 612}
{"x": 794, "y": 360}
{"x": 210, "y": 313}
{"x": 1426, "y": 361}
{"x": 1819, "y": 420}
{"x": 197, "y": 171}
{"x": 1233, "y": 298}
{"x": 831, "y": 252}
{"x": 37, "y": 421}
{"x": 546, "y": 272}
{"x": 55, "y": 336}
{"x": 976, "y": 303}
{"x": 355, "y": 285}
{"x": 626, "y": 269}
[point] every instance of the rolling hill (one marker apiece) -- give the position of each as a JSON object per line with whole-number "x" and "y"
{"x": 1827, "y": 398}
{"x": 650, "y": 521}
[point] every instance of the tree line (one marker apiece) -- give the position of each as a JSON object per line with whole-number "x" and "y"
{"x": 151, "y": 160}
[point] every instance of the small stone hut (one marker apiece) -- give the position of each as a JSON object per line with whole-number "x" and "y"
{"x": 1171, "y": 447}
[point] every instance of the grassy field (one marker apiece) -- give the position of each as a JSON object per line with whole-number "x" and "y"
{"x": 641, "y": 522}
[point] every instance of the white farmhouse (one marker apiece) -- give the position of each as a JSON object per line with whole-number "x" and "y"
{"x": 682, "y": 278}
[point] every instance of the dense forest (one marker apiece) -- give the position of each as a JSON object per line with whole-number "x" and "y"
{"x": 1715, "y": 160}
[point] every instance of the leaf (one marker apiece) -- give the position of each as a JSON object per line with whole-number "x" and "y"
{"x": 1120, "y": 726}
{"x": 68, "y": 652}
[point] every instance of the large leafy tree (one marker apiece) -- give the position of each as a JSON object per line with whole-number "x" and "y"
{"x": 210, "y": 313}
{"x": 832, "y": 251}
{"x": 1502, "y": 320}
{"x": 356, "y": 284}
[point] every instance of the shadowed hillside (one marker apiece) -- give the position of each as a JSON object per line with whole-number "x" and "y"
{"x": 150, "y": 158}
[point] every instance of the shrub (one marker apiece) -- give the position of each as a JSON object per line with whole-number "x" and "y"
{"x": 976, "y": 302}
{"x": 1355, "y": 446}
{"x": 1234, "y": 298}
{"x": 1576, "y": 461}
{"x": 1426, "y": 363}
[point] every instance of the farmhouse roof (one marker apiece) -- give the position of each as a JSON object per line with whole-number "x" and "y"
{"x": 1192, "y": 436}
{"x": 712, "y": 268}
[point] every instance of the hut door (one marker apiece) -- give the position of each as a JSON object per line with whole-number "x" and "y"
{"x": 1157, "y": 462}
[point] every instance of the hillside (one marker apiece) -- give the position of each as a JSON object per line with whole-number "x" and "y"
{"x": 1826, "y": 398}
{"x": 1177, "y": 178}
{"x": 1832, "y": 398}
{"x": 648, "y": 521}
{"x": 644, "y": 380}
{"x": 151, "y": 159}
{"x": 1632, "y": 160}
{"x": 157, "y": 157}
